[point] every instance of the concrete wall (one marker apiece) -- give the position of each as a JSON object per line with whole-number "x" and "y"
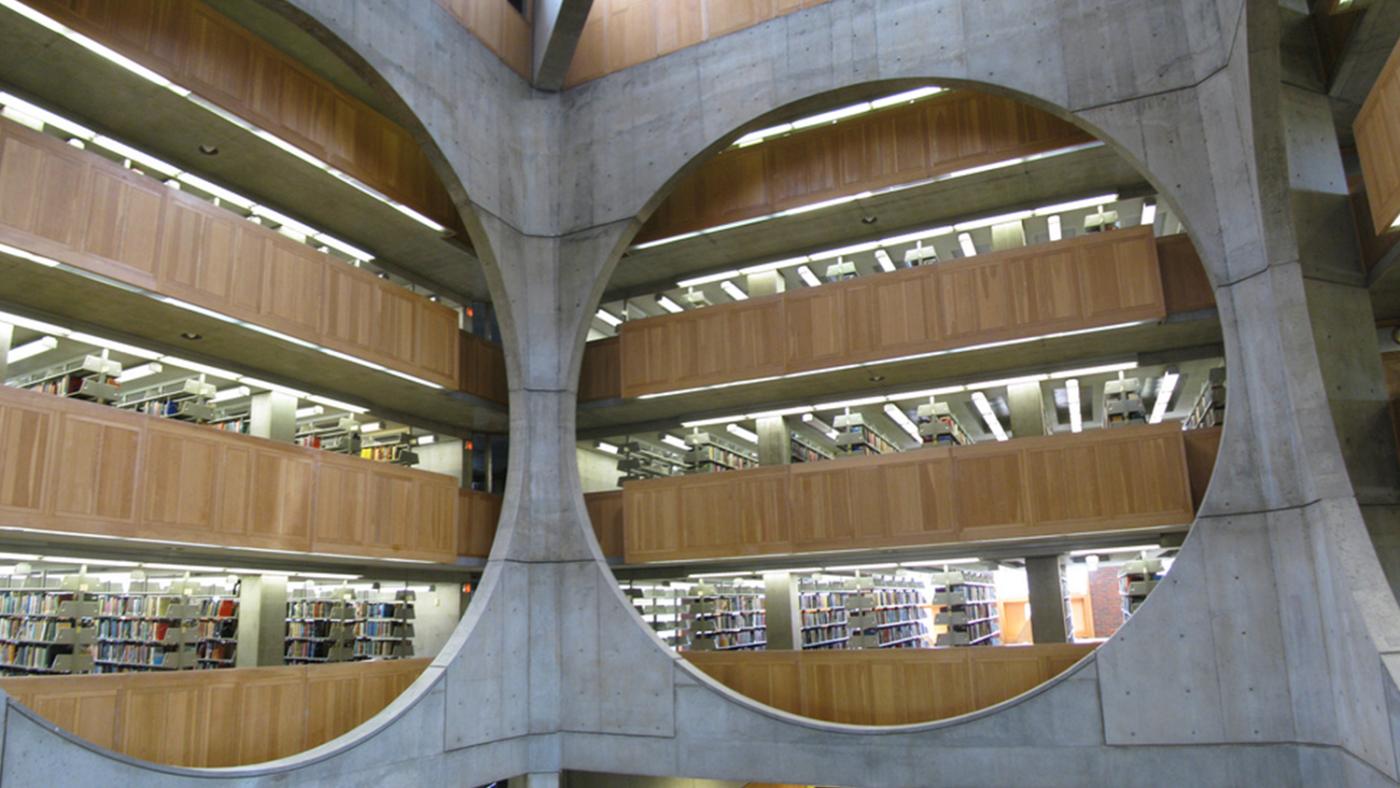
{"x": 1275, "y": 630}
{"x": 597, "y": 471}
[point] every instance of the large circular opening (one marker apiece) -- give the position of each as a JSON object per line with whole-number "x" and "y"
{"x": 896, "y": 409}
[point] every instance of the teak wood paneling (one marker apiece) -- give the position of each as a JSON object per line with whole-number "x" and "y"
{"x": 500, "y": 27}
{"x": 1095, "y": 280}
{"x": 619, "y": 34}
{"x": 483, "y": 369}
{"x": 212, "y": 718}
{"x": 1104, "y": 480}
{"x": 601, "y": 375}
{"x": 1377, "y": 130}
{"x": 84, "y": 468}
{"x": 1185, "y": 286}
{"x": 480, "y": 514}
{"x": 888, "y": 687}
{"x": 605, "y": 513}
{"x": 91, "y": 213}
{"x": 195, "y": 46}
{"x": 949, "y": 132}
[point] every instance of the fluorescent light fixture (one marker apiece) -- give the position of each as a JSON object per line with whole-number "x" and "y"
{"x": 353, "y": 359}
{"x": 918, "y": 235}
{"x": 832, "y": 116}
{"x": 1099, "y": 370}
{"x": 850, "y": 403}
{"x": 31, "y": 349}
{"x": 64, "y": 559}
{"x": 755, "y": 137}
{"x": 120, "y": 347}
{"x": 343, "y": 247}
{"x": 1076, "y": 419}
{"x": 280, "y": 335}
{"x": 794, "y": 411}
{"x": 231, "y": 393}
{"x": 700, "y": 575}
{"x": 371, "y": 426}
{"x": 845, "y": 251}
{"x": 775, "y": 265}
{"x": 327, "y": 575}
{"x": 1149, "y": 214}
{"x": 817, "y": 206}
{"x": 905, "y": 97}
{"x": 306, "y": 413}
{"x": 991, "y": 384}
{"x": 338, "y": 405}
{"x": 984, "y": 408}
{"x": 34, "y": 325}
{"x": 1077, "y": 205}
{"x": 740, "y": 432}
{"x": 707, "y": 279}
{"x": 139, "y": 157}
{"x": 733, "y": 291}
{"x": 280, "y": 389}
{"x": 49, "y": 118}
{"x": 140, "y": 371}
{"x": 819, "y": 425}
{"x": 1053, "y": 225}
{"x": 15, "y": 251}
{"x": 857, "y": 567}
{"x": 184, "y": 567}
{"x": 808, "y": 278}
{"x": 1135, "y": 548}
{"x": 674, "y": 442}
{"x": 215, "y": 190}
{"x": 607, "y": 447}
{"x": 195, "y": 366}
{"x": 200, "y": 310}
{"x": 669, "y": 305}
{"x": 882, "y": 258}
{"x": 1165, "y": 387}
{"x": 427, "y": 440}
{"x": 944, "y": 562}
{"x": 608, "y": 317}
{"x": 899, "y": 417}
{"x": 927, "y": 393}
{"x": 992, "y": 221}
{"x": 969, "y": 249}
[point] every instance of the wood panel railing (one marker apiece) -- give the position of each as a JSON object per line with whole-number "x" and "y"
{"x": 212, "y": 718}
{"x": 1377, "y": 130}
{"x": 84, "y": 468}
{"x": 1104, "y": 480}
{"x": 949, "y": 132}
{"x": 888, "y": 686}
{"x": 483, "y": 369}
{"x": 481, "y": 512}
{"x": 192, "y": 44}
{"x": 91, "y": 213}
{"x": 1092, "y": 281}
{"x": 601, "y": 374}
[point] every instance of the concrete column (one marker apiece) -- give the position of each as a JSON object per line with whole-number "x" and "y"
{"x": 1047, "y": 599}
{"x": 273, "y": 415}
{"x": 1027, "y": 410}
{"x": 262, "y": 613}
{"x": 446, "y": 457}
{"x": 542, "y": 780}
{"x": 766, "y": 283}
{"x": 7, "y": 339}
{"x": 783, "y": 611}
{"x": 774, "y": 441}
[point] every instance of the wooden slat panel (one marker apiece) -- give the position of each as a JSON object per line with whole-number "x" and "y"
{"x": 1202, "y": 448}
{"x": 1377, "y": 129}
{"x": 888, "y": 687}
{"x": 26, "y": 435}
{"x": 1092, "y": 281}
{"x": 478, "y": 513}
{"x": 1185, "y": 286}
{"x": 652, "y": 519}
{"x": 342, "y": 505}
{"x": 94, "y": 476}
{"x": 605, "y": 513}
{"x": 601, "y": 374}
{"x": 482, "y": 369}
{"x": 122, "y": 209}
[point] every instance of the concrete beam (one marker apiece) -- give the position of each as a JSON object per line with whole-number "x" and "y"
{"x": 558, "y": 24}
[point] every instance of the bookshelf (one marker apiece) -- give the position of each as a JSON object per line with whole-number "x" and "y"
{"x": 969, "y": 609}
{"x": 383, "y": 626}
{"x": 1136, "y": 579}
{"x": 727, "y": 616}
{"x": 145, "y": 630}
{"x": 89, "y": 377}
{"x": 855, "y": 437}
{"x": 708, "y": 455}
{"x": 659, "y": 605}
{"x": 638, "y": 460}
{"x": 804, "y": 450}
{"x": 1209, "y": 409}
{"x": 887, "y": 612}
{"x": 825, "y": 619}
{"x": 1122, "y": 403}
{"x": 186, "y": 399}
{"x": 45, "y": 631}
{"x": 217, "y": 635}
{"x": 318, "y": 630}
{"x": 938, "y": 425}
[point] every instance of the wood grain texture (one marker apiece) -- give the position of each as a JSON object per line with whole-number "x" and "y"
{"x": 479, "y": 513}
{"x": 1103, "y": 480}
{"x": 1185, "y": 286}
{"x": 888, "y": 687}
{"x": 91, "y": 213}
{"x": 1095, "y": 280}
{"x": 483, "y": 369}
{"x": 605, "y": 513}
{"x": 949, "y": 132}
{"x": 80, "y": 467}
{"x": 193, "y": 45}
{"x": 601, "y": 374}
{"x": 620, "y": 34}
{"x": 1377, "y": 129}
{"x": 214, "y": 718}
{"x": 500, "y": 27}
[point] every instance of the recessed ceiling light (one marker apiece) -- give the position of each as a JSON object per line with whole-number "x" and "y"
{"x": 191, "y": 336}
{"x": 209, "y": 150}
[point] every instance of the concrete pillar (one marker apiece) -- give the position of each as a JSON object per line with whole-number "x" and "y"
{"x": 7, "y": 338}
{"x": 542, "y": 780}
{"x": 1027, "y": 409}
{"x": 1047, "y": 598}
{"x": 766, "y": 283}
{"x": 273, "y": 416}
{"x": 446, "y": 457}
{"x": 782, "y": 607}
{"x": 1011, "y": 235}
{"x": 262, "y": 613}
{"x": 774, "y": 441}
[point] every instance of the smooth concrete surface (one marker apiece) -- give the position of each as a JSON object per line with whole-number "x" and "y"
{"x": 1046, "y": 592}
{"x": 1270, "y": 654}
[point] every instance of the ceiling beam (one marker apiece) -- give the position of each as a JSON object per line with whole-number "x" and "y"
{"x": 558, "y": 25}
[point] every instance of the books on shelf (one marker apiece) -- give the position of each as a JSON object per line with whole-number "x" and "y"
{"x": 938, "y": 425}
{"x": 708, "y": 455}
{"x": 887, "y": 611}
{"x": 1137, "y": 579}
{"x": 1209, "y": 409}
{"x": 855, "y": 437}
{"x": 967, "y": 602}
{"x": 724, "y": 616}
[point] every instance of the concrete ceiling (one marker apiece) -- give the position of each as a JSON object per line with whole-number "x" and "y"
{"x": 81, "y": 303}
{"x": 1079, "y": 174}
{"x": 52, "y": 71}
